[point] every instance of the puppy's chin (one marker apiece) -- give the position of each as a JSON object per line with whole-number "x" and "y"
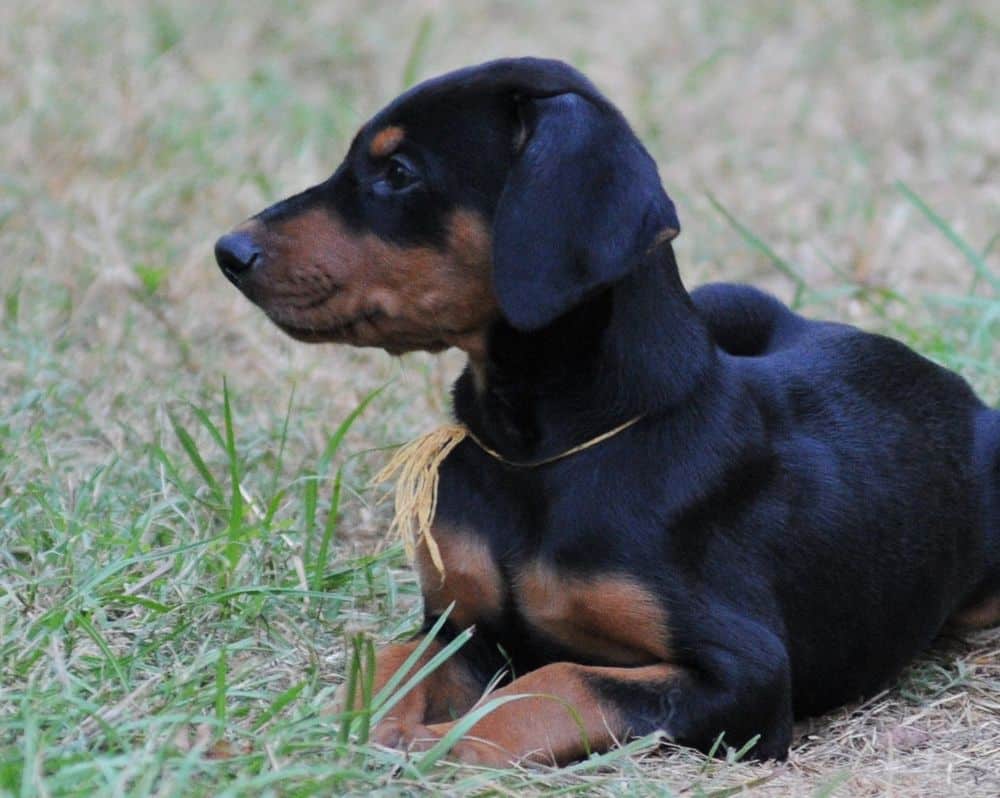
{"x": 359, "y": 330}
{"x": 359, "y": 339}
{"x": 307, "y": 336}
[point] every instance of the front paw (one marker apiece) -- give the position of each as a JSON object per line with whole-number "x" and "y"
{"x": 467, "y": 751}
{"x": 404, "y": 735}
{"x": 397, "y": 733}
{"x": 418, "y": 738}
{"x": 480, "y": 752}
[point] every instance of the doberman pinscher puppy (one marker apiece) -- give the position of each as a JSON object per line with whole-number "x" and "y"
{"x": 797, "y": 510}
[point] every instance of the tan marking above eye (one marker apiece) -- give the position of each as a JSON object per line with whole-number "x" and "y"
{"x": 609, "y": 616}
{"x": 386, "y": 141}
{"x": 471, "y": 577}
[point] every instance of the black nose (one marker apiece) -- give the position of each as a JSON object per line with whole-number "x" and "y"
{"x": 236, "y": 253}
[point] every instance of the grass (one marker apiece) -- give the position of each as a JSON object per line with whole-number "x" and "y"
{"x": 191, "y": 555}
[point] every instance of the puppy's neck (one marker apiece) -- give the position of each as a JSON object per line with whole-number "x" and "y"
{"x": 636, "y": 348}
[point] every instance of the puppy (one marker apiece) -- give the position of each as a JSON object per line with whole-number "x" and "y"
{"x": 694, "y": 513}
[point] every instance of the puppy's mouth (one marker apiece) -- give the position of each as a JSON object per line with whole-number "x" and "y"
{"x": 341, "y": 332}
{"x": 363, "y": 331}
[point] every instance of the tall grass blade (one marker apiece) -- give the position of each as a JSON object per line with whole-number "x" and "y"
{"x": 282, "y": 442}
{"x": 335, "y": 440}
{"x": 279, "y": 703}
{"x": 350, "y": 692}
{"x": 102, "y": 644}
{"x": 757, "y": 243}
{"x": 194, "y": 455}
{"x": 422, "y": 673}
{"x": 235, "y": 530}
{"x": 381, "y": 700}
{"x": 977, "y": 261}
{"x": 221, "y": 673}
{"x": 460, "y": 728}
{"x": 328, "y": 531}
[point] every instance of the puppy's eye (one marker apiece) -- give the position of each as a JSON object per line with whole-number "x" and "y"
{"x": 399, "y": 174}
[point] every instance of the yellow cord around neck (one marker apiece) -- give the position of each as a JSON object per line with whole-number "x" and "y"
{"x": 417, "y": 464}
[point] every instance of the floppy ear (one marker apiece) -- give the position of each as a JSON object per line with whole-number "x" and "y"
{"x": 582, "y": 204}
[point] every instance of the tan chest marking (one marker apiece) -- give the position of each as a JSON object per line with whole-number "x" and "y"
{"x": 471, "y": 577}
{"x": 610, "y": 617}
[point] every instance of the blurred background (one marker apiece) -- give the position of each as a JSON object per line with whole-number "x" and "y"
{"x": 844, "y": 155}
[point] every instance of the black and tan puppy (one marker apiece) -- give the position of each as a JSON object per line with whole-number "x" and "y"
{"x": 798, "y": 510}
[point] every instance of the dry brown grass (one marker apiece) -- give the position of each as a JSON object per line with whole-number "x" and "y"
{"x": 133, "y": 134}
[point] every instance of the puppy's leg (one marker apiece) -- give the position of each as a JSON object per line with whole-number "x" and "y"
{"x": 564, "y": 713}
{"x": 446, "y": 693}
{"x": 571, "y": 709}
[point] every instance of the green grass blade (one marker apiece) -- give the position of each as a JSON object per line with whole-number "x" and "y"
{"x": 12, "y": 304}
{"x": 272, "y": 508}
{"x": 991, "y": 245}
{"x": 977, "y": 261}
{"x": 323, "y": 554}
{"x": 29, "y": 748}
{"x": 598, "y": 761}
{"x": 758, "y": 244}
{"x": 233, "y": 543}
{"x": 102, "y": 644}
{"x": 333, "y": 444}
{"x": 350, "y": 693}
{"x": 138, "y": 601}
{"x": 279, "y": 703}
{"x": 221, "y": 691}
{"x": 713, "y": 751}
{"x": 209, "y": 425}
{"x": 186, "y": 489}
{"x": 194, "y": 455}
{"x": 310, "y": 501}
{"x": 736, "y": 756}
{"x": 380, "y": 700}
{"x": 219, "y": 596}
{"x": 282, "y": 442}
{"x": 367, "y": 683}
{"x": 461, "y": 728}
{"x": 426, "y": 670}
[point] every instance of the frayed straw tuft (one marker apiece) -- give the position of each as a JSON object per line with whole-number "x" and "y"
{"x": 417, "y": 464}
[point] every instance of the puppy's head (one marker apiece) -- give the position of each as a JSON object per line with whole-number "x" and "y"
{"x": 511, "y": 190}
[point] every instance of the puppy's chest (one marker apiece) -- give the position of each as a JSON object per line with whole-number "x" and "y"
{"x": 603, "y": 617}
